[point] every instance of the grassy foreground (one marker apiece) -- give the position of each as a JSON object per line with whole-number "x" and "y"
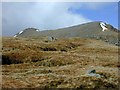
{"x": 64, "y": 63}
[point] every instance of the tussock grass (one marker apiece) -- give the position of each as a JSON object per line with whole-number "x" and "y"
{"x": 63, "y": 63}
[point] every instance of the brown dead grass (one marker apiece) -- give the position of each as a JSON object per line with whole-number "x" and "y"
{"x": 58, "y": 64}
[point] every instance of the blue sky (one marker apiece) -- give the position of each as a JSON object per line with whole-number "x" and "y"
{"x": 107, "y": 12}
{"x": 45, "y": 16}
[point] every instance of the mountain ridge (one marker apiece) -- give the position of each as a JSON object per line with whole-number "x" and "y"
{"x": 97, "y": 30}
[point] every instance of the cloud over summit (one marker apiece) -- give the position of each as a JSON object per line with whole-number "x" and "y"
{"x": 18, "y": 16}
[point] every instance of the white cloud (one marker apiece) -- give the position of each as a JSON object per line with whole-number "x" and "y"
{"x": 17, "y": 16}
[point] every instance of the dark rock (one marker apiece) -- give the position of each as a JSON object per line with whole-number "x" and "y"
{"x": 91, "y": 71}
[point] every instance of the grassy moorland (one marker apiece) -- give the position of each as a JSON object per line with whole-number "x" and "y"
{"x": 64, "y": 63}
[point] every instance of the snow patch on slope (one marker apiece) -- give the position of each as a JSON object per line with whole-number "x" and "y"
{"x": 15, "y": 35}
{"x": 103, "y": 26}
{"x": 20, "y": 32}
{"x": 37, "y": 30}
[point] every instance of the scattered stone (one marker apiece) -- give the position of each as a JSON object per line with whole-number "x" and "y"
{"x": 93, "y": 73}
{"x": 49, "y": 39}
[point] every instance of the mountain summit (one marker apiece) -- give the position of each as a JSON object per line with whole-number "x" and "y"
{"x": 97, "y": 30}
{"x": 28, "y": 31}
